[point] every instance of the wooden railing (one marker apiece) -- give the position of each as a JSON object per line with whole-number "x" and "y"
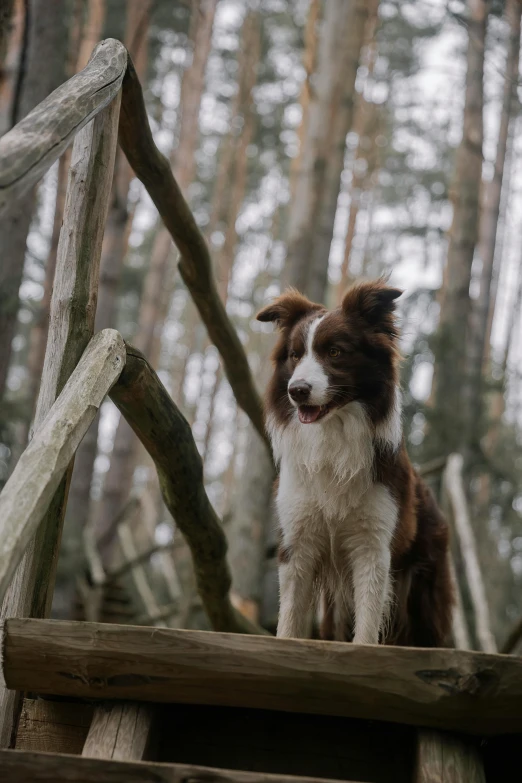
{"x": 93, "y": 109}
{"x": 96, "y": 107}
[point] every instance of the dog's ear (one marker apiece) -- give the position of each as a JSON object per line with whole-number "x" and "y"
{"x": 375, "y": 302}
{"x": 288, "y": 309}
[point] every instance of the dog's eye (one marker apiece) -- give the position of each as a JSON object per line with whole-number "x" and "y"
{"x": 333, "y": 352}
{"x": 294, "y": 357}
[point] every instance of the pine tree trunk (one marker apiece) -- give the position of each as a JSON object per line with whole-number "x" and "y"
{"x": 480, "y": 315}
{"x": 11, "y": 37}
{"x": 45, "y": 70}
{"x": 449, "y": 418}
{"x": 92, "y": 32}
{"x": 329, "y": 119}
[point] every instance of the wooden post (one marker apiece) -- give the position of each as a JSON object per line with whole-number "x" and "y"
{"x": 73, "y": 307}
{"x": 444, "y": 758}
{"x": 31, "y": 147}
{"x": 30, "y": 488}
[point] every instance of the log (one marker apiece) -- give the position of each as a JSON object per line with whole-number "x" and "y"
{"x": 31, "y": 147}
{"x": 53, "y": 726}
{"x": 28, "y": 492}
{"x": 166, "y": 434}
{"x": 20, "y": 767}
{"x": 153, "y": 169}
{"x": 454, "y": 488}
{"x": 443, "y": 758}
{"x": 120, "y": 732}
{"x": 73, "y": 307}
{"x": 457, "y": 690}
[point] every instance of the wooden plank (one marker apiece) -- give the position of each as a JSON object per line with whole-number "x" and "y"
{"x": 73, "y": 308}
{"x": 444, "y": 758}
{"x": 120, "y": 732}
{"x": 21, "y": 767}
{"x": 32, "y": 146}
{"x": 154, "y": 170}
{"x": 28, "y": 492}
{"x": 472, "y": 692}
{"x": 166, "y": 434}
{"x": 53, "y": 726}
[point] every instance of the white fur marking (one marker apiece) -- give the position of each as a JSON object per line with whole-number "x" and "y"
{"x": 311, "y": 371}
{"x": 389, "y": 431}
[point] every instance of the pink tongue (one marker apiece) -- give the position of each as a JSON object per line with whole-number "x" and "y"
{"x": 309, "y": 413}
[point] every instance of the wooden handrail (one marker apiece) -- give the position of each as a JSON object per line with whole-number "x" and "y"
{"x": 166, "y": 434}
{"x": 457, "y": 690}
{"x": 28, "y": 492}
{"x": 195, "y": 266}
{"x": 29, "y": 149}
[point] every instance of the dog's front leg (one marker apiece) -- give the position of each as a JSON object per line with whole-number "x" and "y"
{"x": 371, "y": 578}
{"x": 296, "y": 576}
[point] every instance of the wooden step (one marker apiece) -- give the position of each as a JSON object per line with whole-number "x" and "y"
{"x": 452, "y": 689}
{"x": 21, "y": 767}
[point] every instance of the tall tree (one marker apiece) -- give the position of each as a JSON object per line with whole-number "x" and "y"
{"x": 45, "y": 70}
{"x": 329, "y": 118}
{"x": 480, "y": 314}
{"x": 450, "y": 420}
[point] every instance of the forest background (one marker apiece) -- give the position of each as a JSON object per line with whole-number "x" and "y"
{"x": 316, "y": 141}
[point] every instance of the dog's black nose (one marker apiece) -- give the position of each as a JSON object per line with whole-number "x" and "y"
{"x": 299, "y": 390}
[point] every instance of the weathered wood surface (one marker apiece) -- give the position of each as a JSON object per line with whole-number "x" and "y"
{"x": 53, "y": 726}
{"x": 27, "y": 493}
{"x": 32, "y": 146}
{"x": 459, "y": 514}
{"x": 166, "y": 434}
{"x": 20, "y": 767}
{"x": 444, "y": 758}
{"x": 119, "y": 731}
{"x": 195, "y": 266}
{"x": 73, "y": 308}
{"x": 453, "y": 689}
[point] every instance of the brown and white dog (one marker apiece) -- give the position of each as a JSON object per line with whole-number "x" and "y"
{"x": 358, "y": 526}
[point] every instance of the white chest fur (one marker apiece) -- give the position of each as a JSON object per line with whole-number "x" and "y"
{"x": 332, "y": 513}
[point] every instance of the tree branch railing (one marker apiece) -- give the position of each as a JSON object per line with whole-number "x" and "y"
{"x": 30, "y": 488}
{"x": 32, "y": 146}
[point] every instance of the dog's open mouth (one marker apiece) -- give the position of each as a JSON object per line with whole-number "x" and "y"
{"x": 310, "y": 413}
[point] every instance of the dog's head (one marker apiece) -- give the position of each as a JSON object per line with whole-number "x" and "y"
{"x": 325, "y": 360}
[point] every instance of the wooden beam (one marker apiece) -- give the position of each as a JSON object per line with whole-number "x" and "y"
{"x": 28, "y": 492}
{"x": 195, "y": 266}
{"x": 120, "y": 732}
{"x": 73, "y": 308}
{"x": 459, "y": 514}
{"x": 53, "y": 726}
{"x": 458, "y": 690}
{"x": 445, "y": 758}
{"x": 166, "y": 434}
{"x": 31, "y": 147}
{"x": 19, "y": 767}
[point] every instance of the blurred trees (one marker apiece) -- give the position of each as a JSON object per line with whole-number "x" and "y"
{"x": 315, "y": 141}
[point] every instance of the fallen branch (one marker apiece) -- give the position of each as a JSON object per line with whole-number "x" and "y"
{"x": 195, "y": 266}
{"x": 139, "y": 559}
{"x": 165, "y": 433}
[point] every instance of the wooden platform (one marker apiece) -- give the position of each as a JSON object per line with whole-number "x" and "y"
{"x": 450, "y": 689}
